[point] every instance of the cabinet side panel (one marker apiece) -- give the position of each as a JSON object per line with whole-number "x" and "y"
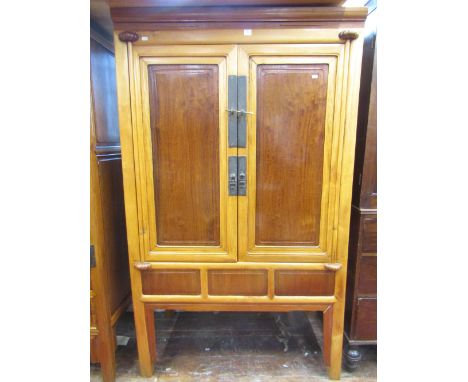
{"x": 104, "y": 94}
{"x": 110, "y": 179}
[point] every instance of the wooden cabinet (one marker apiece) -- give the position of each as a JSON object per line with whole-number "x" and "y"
{"x": 361, "y": 300}
{"x": 238, "y": 149}
{"x": 110, "y": 280}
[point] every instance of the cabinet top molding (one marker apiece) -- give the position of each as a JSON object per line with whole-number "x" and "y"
{"x": 150, "y": 18}
{"x": 211, "y": 3}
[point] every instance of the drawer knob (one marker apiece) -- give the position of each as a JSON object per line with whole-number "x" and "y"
{"x": 333, "y": 267}
{"x": 141, "y": 266}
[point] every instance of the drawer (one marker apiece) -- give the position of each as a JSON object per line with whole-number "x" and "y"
{"x": 367, "y": 279}
{"x": 237, "y": 282}
{"x": 205, "y": 283}
{"x": 171, "y": 282}
{"x": 304, "y": 283}
{"x": 365, "y": 327}
{"x": 369, "y": 235}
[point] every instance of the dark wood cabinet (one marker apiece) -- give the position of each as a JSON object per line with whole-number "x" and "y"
{"x": 361, "y": 298}
{"x": 110, "y": 279}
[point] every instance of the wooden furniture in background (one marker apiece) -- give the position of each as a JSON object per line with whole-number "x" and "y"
{"x": 238, "y": 131}
{"x": 361, "y": 301}
{"x": 110, "y": 279}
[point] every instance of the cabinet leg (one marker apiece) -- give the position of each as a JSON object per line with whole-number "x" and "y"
{"x": 143, "y": 327}
{"x": 352, "y": 357}
{"x": 107, "y": 357}
{"x": 336, "y": 341}
{"x": 327, "y": 330}
{"x": 151, "y": 333}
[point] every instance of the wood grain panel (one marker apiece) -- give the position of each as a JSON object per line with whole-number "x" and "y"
{"x": 369, "y": 235}
{"x": 238, "y": 283}
{"x": 304, "y": 283}
{"x": 171, "y": 281}
{"x": 184, "y": 108}
{"x": 366, "y": 319}
{"x": 367, "y": 283}
{"x": 291, "y": 104}
{"x": 104, "y": 94}
{"x": 112, "y": 203}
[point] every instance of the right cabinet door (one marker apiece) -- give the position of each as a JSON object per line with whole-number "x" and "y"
{"x": 294, "y": 140}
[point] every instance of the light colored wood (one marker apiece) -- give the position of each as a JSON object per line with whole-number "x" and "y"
{"x": 240, "y": 299}
{"x": 131, "y": 203}
{"x": 225, "y": 57}
{"x": 151, "y": 332}
{"x": 354, "y": 54}
{"x": 327, "y": 330}
{"x": 249, "y": 57}
{"x": 263, "y": 47}
{"x": 226, "y": 307}
{"x": 239, "y": 265}
{"x": 237, "y": 36}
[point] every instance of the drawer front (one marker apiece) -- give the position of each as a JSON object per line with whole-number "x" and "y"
{"x": 171, "y": 282}
{"x": 367, "y": 282}
{"x": 369, "y": 235}
{"x": 238, "y": 283}
{"x": 365, "y": 327}
{"x": 304, "y": 283}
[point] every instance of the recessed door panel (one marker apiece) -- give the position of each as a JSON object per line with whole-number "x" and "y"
{"x": 184, "y": 110}
{"x": 181, "y": 135}
{"x": 293, "y": 107}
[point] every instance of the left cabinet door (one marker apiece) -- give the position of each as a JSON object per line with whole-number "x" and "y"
{"x": 180, "y": 124}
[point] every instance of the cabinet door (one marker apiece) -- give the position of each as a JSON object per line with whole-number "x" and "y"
{"x": 181, "y": 156}
{"x": 294, "y": 135}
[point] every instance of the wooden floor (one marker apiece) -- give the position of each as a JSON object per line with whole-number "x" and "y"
{"x": 233, "y": 347}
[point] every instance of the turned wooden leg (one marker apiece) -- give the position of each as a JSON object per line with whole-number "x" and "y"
{"x": 143, "y": 330}
{"x": 327, "y": 331}
{"x": 352, "y": 357}
{"x": 151, "y": 332}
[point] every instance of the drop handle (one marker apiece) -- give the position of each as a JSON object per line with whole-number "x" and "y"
{"x": 233, "y": 183}
{"x": 245, "y": 112}
{"x": 242, "y": 180}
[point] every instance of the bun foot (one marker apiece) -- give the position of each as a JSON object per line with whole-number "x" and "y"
{"x": 352, "y": 357}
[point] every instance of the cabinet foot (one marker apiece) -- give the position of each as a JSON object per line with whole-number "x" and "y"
{"x": 352, "y": 357}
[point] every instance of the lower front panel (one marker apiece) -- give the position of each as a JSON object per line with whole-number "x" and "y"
{"x": 267, "y": 283}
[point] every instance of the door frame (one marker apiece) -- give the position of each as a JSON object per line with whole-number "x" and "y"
{"x": 249, "y": 56}
{"x": 225, "y": 56}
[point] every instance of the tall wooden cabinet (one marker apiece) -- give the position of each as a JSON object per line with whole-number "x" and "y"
{"x": 110, "y": 279}
{"x": 238, "y": 130}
